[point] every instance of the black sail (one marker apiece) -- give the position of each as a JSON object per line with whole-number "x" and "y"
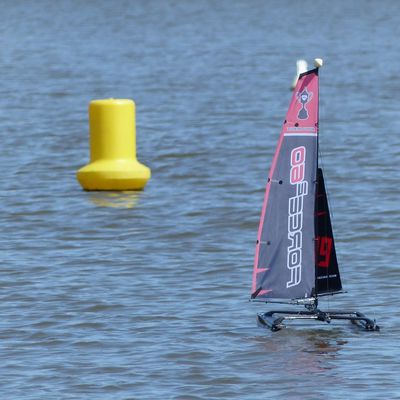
{"x": 326, "y": 269}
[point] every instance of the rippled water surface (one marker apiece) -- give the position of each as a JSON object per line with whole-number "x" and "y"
{"x": 144, "y": 295}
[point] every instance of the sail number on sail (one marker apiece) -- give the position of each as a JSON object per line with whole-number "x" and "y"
{"x": 295, "y": 217}
{"x": 324, "y": 251}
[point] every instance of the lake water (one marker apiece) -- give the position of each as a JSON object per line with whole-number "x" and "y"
{"x": 145, "y": 295}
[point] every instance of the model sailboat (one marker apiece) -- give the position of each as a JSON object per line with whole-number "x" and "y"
{"x": 295, "y": 261}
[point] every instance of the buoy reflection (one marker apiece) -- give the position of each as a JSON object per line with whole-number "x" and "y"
{"x": 126, "y": 199}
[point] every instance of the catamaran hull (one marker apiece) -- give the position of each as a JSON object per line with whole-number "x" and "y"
{"x": 274, "y": 319}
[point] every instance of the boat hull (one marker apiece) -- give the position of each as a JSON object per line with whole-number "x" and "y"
{"x": 274, "y": 320}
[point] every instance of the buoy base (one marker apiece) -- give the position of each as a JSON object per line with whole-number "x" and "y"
{"x": 114, "y": 175}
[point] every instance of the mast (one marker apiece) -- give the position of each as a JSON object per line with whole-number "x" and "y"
{"x": 318, "y": 62}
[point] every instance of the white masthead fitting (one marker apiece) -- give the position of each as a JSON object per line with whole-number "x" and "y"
{"x": 318, "y": 62}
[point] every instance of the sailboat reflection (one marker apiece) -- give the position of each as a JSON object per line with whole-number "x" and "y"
{"x": 303, "y": 354}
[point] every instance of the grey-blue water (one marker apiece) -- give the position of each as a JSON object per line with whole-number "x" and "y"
{"x": 145, "y": 296}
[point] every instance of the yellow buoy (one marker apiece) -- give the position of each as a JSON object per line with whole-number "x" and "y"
{"x": 113, "y": 164}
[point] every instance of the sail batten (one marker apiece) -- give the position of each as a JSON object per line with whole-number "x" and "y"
{"x": 284, "y": 264}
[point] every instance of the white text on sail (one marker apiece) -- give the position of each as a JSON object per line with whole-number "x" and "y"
{"x": 295, "y": 215}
